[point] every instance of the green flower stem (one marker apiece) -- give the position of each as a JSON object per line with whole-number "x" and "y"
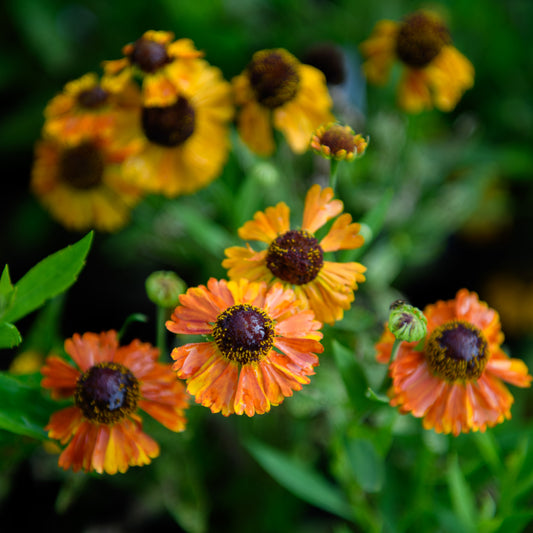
{"x": 333, "y": 173}
{"x": 395, "y": 348}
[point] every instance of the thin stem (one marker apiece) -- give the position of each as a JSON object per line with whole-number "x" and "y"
{"x": 395, "y": 348}
{"x": 333, "y": 173}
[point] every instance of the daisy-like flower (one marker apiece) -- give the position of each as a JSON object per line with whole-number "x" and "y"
{"x": 184, "y": 145}
{"x": 109, "y": 384}
{"x": 87, "y": 106}
{"x": 335, "y": 141}
{"x": 82, "y": 184}
{"x": 261, "y": 345}
{"x": 455, "y": 381}
{"x": 435, "y": 73}
{"x": 276, "y": 90}
{"x": 295, "y": 257}
{"x": 164, "y": 66}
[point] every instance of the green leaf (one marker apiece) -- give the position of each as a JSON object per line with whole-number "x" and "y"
{"x": 23, "y": 408}
{"x": 9, "y": 335}
{"x": 461, "y": 496}
{"x": 351, "y": 374}
{"x": 49, "y": 277}
{"x": 301, "y": 480}
{"x": 6, "y": 291}
{"x": 367, "y": 465}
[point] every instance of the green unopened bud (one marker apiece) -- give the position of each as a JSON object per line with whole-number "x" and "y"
{"x": 164, "y": 288}
{"x": 407, "y": 323}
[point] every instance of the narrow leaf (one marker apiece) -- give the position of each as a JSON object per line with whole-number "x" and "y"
{"x": 301, "y": 480}
{"x": 461, "y": 495}
{"x": 367, "y": 465}
{"x": 49, "y": 277}
{"x": 23, "y": 408}
{"x": 6, "y": 291}
{"x": 9, "y": 335}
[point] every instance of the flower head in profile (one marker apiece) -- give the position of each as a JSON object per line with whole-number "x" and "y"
{"x": 163, "y": 65}
{"x": 183, "y": 145}
{"x": 455, "y": 382}
{"x": 88, "y": 106}
{"x": 82, "y": 184}
{"x": 435, "y": 73}
{"x": 295, "y": 257}
{"x": 277, "y": 91}
{"x": 335, "y": 141}
{"x": 261, "y": 345}
{"x": 109, "y": 385}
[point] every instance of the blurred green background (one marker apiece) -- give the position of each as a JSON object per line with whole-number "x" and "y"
{"x": 461, "y": 216}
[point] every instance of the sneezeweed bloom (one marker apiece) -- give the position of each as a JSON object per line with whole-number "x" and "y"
{"x": 261, "y": 345}
{"x": 277, "y": 91}
{"x": 82, "y": 184}
{"x": 435, "y": 73}
{"x": 183, "y": 145}
{"x": 163, "y": 65}
{"x": 455, "y": 382}
{"x": 87, "y": 106}
{"x": 109, "y": 384}
{"x": 335, "y": 141}
{"x": 295, "y": 257}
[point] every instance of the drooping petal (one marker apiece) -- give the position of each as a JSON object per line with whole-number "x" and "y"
{"x": 343, "y": 235}
{"x": 319, "y": 208}
{"x": 59, "y": 376}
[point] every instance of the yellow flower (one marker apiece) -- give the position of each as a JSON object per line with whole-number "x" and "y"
{"x": 296, "y": 258}
{"x": 82, "y": 184}
{"x": 165, "y": 66}
{"x": 435, "y": 73}
{"x": 334, "y": 141}
{"x": 183, "y": 145}
{"x": 276, "y": 90}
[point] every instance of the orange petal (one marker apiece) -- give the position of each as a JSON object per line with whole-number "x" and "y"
{"x": 190, "y": 358}
{"x": 63, "y": 424}
{"x": 267, "y": 225}
{"x": 513, "y": 371}
{"x": 413, "y": 91}
{"x": 92, "y": 348}
{"x": 343, "y": 235}
{"x": 319, "y": 208}
{"x": 255, "y": 129}
{"x": 250, "y": 397}
{"x": 59, "y": 375}
{"x": 244, "y": 262}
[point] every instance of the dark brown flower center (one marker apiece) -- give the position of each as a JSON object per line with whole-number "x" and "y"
{"x": 457, "y": 351}
{"x": 169, "y": 126}
{"x": 274, "y": 77}
{"x": 93, "y": 98}
{"x": 295, "y": 257}
{"x": 244, "y": 333}
{"x": 338, "y": 138}
{"x": 106, "y": 393}
{"x": 149, "y": 55}
{"x": 82, "y": 166}
{"x": 420, "y": 39}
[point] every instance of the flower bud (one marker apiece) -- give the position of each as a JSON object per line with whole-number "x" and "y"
{"x": 164, "y": 288}
{"x": 407, "y": 323}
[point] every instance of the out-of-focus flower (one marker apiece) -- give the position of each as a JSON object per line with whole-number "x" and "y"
{"x": 455, "y": 383}
{"x": 27, "y": 362}
{"x": 276, "y": 90}
{"x": 407, "y": 323}
{"x": 261, "y": 345}
{"x": 295, "y": 257}
{"x": 183, "y": 145}
{"x": 335, "y": 141}
{"x": 109, "y": 384}
{"x": 435, "y": 73}
{"x": 164, "y": 66}
{"x": 88, "y": 106}
{"x": 82, "y": 185}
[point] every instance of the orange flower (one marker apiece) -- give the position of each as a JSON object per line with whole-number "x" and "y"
{"x": 296, "y": 257}
{"x": 87, "y": 106}
{"x": 262, "y": 345}
{"x": 338, "y": 142}
{"x": 109, "y": 384}
{"x": 164, "y": 65}
{"x": 455, "y": 382}
{"x": 276, "y": 90}
{"x": 435, "y": 73}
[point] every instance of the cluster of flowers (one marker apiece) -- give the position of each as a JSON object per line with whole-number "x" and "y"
{"x": 108, "y": 140}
